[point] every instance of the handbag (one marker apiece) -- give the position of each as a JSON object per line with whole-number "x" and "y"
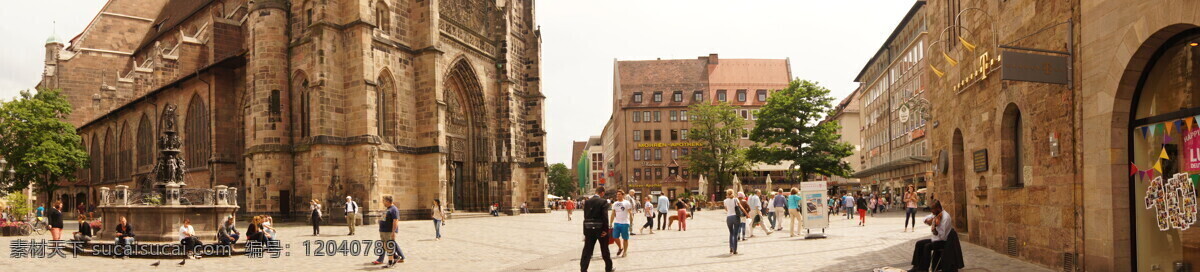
{"x": 611, "y": 240}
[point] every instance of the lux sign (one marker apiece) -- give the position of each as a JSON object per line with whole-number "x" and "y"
{"x": 986, "y": 64}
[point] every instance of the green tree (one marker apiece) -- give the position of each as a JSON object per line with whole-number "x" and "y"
{"x": 718, "y": 129}
{"x": 38, "y": 143}
{"x": 789, "y": 129}
{"x": 561, "y": 183}
{"x": 17, "y": 206}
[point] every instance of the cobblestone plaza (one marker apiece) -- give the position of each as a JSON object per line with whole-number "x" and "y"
{"x": 548, "y": 242}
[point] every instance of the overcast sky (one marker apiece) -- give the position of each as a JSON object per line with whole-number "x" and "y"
{"x": 827, "y": 41}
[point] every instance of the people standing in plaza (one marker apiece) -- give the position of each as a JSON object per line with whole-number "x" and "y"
{"x": 187, "y": 237}
{"x": 861, "y": 203}
{"x": 124, "y": 236}
{"x": 910, "y": 207}
{"x": 622, "y": 212}
{"x": 595, "y": 230}
{"x": 794, "y": 205}
{"x": 439, "y": 214}
{"x": 351, "y": 214}
{"x": 316, "y": 216}
{"x": 55, "y": 216}
{"x": 941, "y": 223}
{"x": 832, "y": 202}
{"x": 648, "y": 209}
{"x": 780, "y": 203}
{"x": 387, "y": 233}
{"x": 755, "y": 213}
{"x": 227, "y": 233}
{"x": 524, "y": 207}
{"x": 848, "y": 205}
{"x": 871, "y": 204}
{"x": 254, "y": 232}
{"x": 570, "y": 205}
{"x": 664, "y": 205}
{"x": 681, "y": 211}
{"x": 733, "y": 214}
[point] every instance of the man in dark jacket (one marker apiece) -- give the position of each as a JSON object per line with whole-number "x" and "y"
{"x": 595, "y": 230}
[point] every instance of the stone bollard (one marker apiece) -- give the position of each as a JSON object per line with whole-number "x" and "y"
{"x": 122, "y": 195}
{"x": 172, "y": 197}
{"x": 104, "y": 201}
{"x": 222, "y": 195}
{"x": 232, "y": 198}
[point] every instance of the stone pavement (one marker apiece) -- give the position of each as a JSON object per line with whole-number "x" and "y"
{"x": 547, "y": 242}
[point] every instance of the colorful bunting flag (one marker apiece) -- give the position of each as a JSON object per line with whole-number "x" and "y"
{"x": 1169, "y": 125}
{"x": 1132, "y": 169}
{"x": 1145, "y": 131}
{"x": 1163, "y": 155}
{"x": 1158, "y": 166}
{"x": 1188, "y": 121}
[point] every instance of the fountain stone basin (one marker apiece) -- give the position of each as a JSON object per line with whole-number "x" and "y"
{"x": 161, "y": 223}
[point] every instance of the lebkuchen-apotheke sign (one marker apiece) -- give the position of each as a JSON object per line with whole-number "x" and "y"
{"x": 684, "y": 144}
{"x": 980, "y": 160}
{"x": 1033, "y": 67}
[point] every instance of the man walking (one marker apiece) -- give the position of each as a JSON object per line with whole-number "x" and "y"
{"x": 664, "y": 205}
{"x": 351, "y": 214}
{"x": 595, "y": 230}
{"x": 387, "y": 232}
{"x": 756, "y": 211}
{"x": 622, "y": 212}
{"x": 780, "y": 204}
{"x": 848, "y": 205}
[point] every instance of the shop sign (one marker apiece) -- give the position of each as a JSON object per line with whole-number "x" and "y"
{"x": 918, "y": 133}
{"x": 659, "y": 185}
{"x": 980, "y": 160}
{"x": 1022, "y": 66}
{"x": 985, "y": 65}
{"x": 684, "y": 144}
{"x": 1191, "y": 145}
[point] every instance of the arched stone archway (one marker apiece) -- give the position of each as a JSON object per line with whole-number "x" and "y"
{"x": 959, "y": 180}
{"x": 468, "y": 163}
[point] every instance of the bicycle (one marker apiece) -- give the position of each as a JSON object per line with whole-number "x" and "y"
{"x": 35, "y": 226}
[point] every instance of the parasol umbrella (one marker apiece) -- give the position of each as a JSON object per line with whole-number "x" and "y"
{"x": 769, "y": 182}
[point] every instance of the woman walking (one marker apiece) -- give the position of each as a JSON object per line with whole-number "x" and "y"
{"x": 910, "y": 208}
{"x": 316, "y": 216}
{"x": 733, "y": 213}
{"x": 862, "y": 209}
{"x": 648, "y": 209}
{"x": 56, "y": 220}
{"x": 438, "y": 215}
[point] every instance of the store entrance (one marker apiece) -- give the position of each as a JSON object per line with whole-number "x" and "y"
{"x": 1165, "y": 148}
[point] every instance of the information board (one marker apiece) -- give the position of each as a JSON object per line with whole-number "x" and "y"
{"x": 816, "y": 210}
{"x": 980, "y": 160}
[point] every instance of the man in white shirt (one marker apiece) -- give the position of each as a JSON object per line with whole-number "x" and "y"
{"x": 187, "y": 237}
{"x": 941, "y": 232}
{"x": 351, "y": 214}
{"x": 756, "y": 210}
{"x": 664, "y": 205}
{"x": 622, "y": 211}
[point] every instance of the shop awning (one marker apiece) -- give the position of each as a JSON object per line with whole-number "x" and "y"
{"x": 892, "y": 165}
{"x": 782, "y": 166}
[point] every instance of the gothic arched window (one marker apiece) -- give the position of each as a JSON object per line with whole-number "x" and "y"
{"x": 385, "y": 103}
{"x": 383, "y": 17}
{"x": 145, "y": 141}
{"x": 126, "y": 153}
{"x": 110, "y": 157}
{"x": 196, "y": 142}
{"x": 96, "y": 159}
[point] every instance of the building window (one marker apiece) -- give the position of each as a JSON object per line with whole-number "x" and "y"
{"x": 657, "y": 96}
{"x": 745, "y": 114}
{"x": 762, "y": 95}
{"x": 383, "y": 17}
{"x": 658, "y": 173}
{"x": 721, "y": 95}
{"x": 637, "y": 155}
{"x": 646, "y": 135}
{"x": 637, "y": 135}
{"x": 658, "y": 116}
{"x": 745, "y": 133}
{"x": 637, "y": 97}
{"x": 674, "y": 135}
{"x": 741, "y": 95}
{"x": 683, "y": 116}
{"x": 387, "y": 111}
{"x": 1012, "y": 141}
{"x": 645, "y": 116}
{"x": 677, "y": 96}
{"x": 125, "y": 167}
{"x": 753, "y": 114}
{"x": 196, "y": 143}
{"x": 697, "y": 96}
{"x": 674, "y": 115}
{"x": 145, "y": 142}
{"x": 637, "y": 116}
{"x": 657, "y": 135}
{"x": 110, "y": 157}
{"x": 674, "y": 153}
{"x": 658, "y": 154}
{"x": 683, "y": 134}
{"x": 686, "y": 175}
{"x": 637, "y": 173}
{"x": 685, "y": 152}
